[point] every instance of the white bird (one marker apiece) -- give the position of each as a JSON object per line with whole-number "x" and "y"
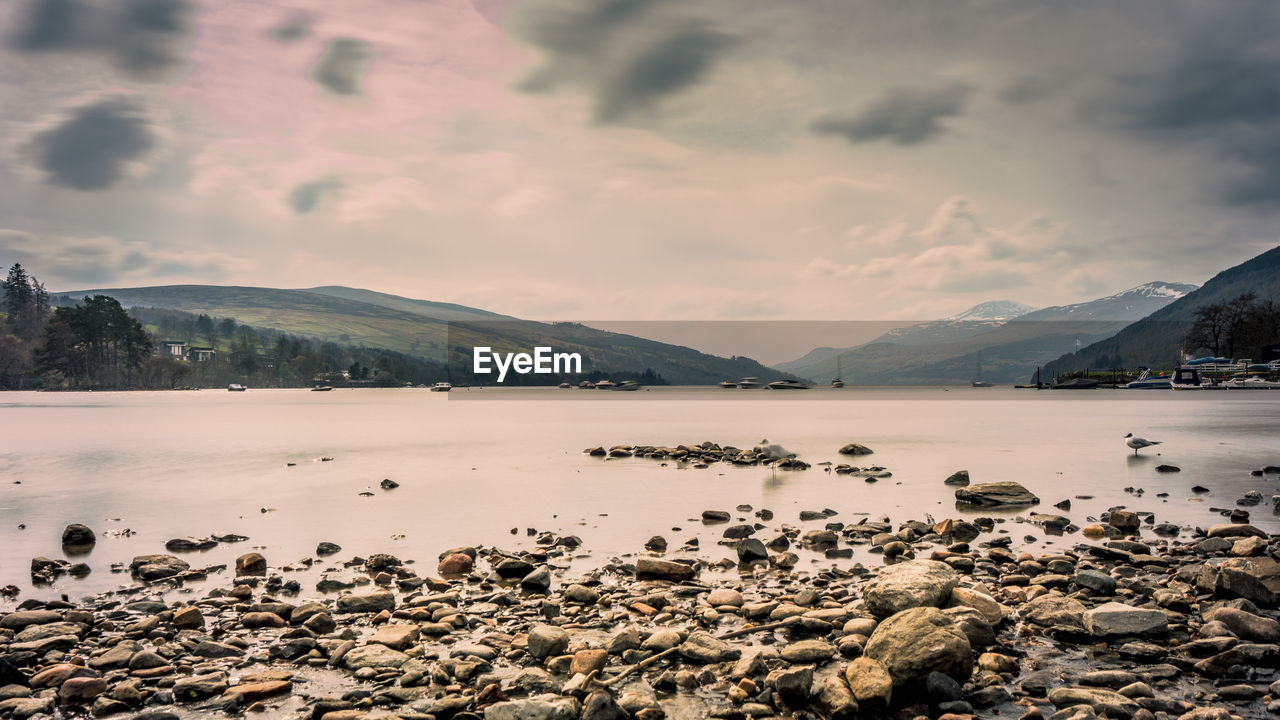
{"x": 1138, "y": 443}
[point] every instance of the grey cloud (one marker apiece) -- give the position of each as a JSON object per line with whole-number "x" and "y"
{"x": 341, "y": 66}
{"x": 295, "y": 28}
{"x": 95, "y": 145}
{"x": 1223, "y": 92}
{"x": 306, "y": 196}
{"x": 903, "y": 116}
{"x": 1029, "y": 89}
{"x": 141, "y": 36}
{"x": 628, "y": 55}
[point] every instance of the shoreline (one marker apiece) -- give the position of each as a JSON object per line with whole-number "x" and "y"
{"x": 1148, "y": 627}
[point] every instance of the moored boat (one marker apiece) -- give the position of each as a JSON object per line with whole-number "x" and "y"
{"x": 236, "y": 387}
{"x": 1186, "y": 378}
{"x": 441, "y": 387}
{"x": 728, "y": 384}
{"x": 1081, "y": 383}
{"x": 749, "y": 383}
{"x": 322, "y": 388}
{"x": 787, "y": 385}
{"x": 604, "y": 385}
{"x": 1147, "y": 381}
{"x": 627, "y": 385}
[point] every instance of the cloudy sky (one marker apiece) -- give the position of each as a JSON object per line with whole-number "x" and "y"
{"x": 642, "y": 159}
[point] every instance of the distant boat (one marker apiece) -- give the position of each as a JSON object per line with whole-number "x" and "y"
{"x": 565, "y": 386}
{"x": 1186, "y": 378}
{"x": 627, "y": 385}
{"x": 837, "y": 383}
{"x": 1083, "y": 383}
{"x": 981, "y": 383}
{"x": 787, "y": 385}
{"x": 321, "y": 388}
{"x": 586, "y": 385}
{"x": 749, "y": 383}
{"x": 236, "y": 387}
{"x": 728, "y": 384}
{"x": 1251, "y": 383}
{"x": 441, "y": 387}
{"x": 1147, "y": 381}
{"x": 604, "y": 385}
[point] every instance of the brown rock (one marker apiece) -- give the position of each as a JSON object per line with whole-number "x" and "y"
{"x": 188, "y": 618}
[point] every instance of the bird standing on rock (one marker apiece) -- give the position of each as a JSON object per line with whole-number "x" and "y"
{"x": 1138, "y": 443}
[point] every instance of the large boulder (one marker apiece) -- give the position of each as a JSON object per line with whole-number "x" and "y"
{"x": 1119, "y": 619}
{"x": 855, "y": 449}
{"x": 916, "y": 642}
{"x": 1257, "y": 579}
{"x": 156, "y": 567}
{"x": 1054, "y": 610}
{"x": 996, "y": 494}
{"x": 918, "y": 583}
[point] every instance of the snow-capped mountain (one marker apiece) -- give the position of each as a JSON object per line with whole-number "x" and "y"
{"x": 997, "y": 310}
{"x": 1132, "y": 304}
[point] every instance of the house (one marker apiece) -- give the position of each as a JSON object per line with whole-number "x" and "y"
{"x": 174, "y": 349}
{"x": 200, "y": 354}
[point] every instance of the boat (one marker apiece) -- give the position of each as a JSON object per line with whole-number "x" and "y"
{"x": 837, "y": 383}
{"x": 236, "y": 387}
{"x": 787, "y": 385}
{"x": 604, "y": 385}
{"x": 1186, "y": 378}
{"x": 749, "y": 383}
{"x": 1250, "y": 383}
{"x": 1081, "y": 383}
{"x": 565, "y": 386}
{"x": 586, "y": 385}
{"x": 728, "y": 384}
{"x": 322, "y": 388}
{"x": 1147, "y": 381}
{"x": 627, "y": 385}
{"x": 441, "y": 387}
{"x": 981, "y": 383}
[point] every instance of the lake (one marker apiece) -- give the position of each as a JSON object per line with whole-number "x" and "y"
{"x": 474, "y": 464}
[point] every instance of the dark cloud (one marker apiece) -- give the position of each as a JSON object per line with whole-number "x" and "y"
{"x": 295, "y": 28}
{"x": 341, "y": 66}
{"x": 307, "y": 196}
{"x": 141, "y": 36}
{"x": 93, "y": 147}
{"x": 903, "y": 116}
{"x": 1029, "y": 89}
{"x": 1222, "y": 93}
{"x": 629, "y": 55}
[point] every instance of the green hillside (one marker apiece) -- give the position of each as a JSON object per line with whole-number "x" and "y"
{"x": 438, "y": 332}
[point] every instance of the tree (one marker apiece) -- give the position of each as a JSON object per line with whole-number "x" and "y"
{"x": 1209, "y": 329}
{"x": 204, "y": 328}
{"x": 93, "y": 342}
{"x": 26, "y": 302}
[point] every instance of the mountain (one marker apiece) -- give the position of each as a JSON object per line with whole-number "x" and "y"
{"x": 997, "y": 341}
{"x": 438, "y": 332}
{"x": 1156, "y": 339}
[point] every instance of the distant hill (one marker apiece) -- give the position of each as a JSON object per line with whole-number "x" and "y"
{"x": 1156, "y": 339}
{"x": 998, "y": 341}
{"x": 439, "y": 332}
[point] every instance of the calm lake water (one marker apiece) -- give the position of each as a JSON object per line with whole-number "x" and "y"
{"x": 474, "y": 464}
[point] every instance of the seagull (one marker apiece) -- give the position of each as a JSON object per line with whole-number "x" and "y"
{"x": 1138, "y": 443}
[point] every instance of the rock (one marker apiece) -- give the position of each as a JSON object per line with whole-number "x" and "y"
{"x": 190, "y": 544}
{"x": 537, "y": 581}
{"x": 1235, "y": 530}
{"x": 396, "y": 637}
{"x": 751, "y": 550}
{"x": 915, "y": 642}
{"x": 997, "y": 663}
{"x": 1246, "y": 625}
{"x": 918, "y": 583}
{"x": 959, "y": 478}
{"x": 600, "y": 705}
{"x": 373, "y": 656}
{"x": 993, "y": 611}
{"x": 188, "y": 618}
{"x": 871, "y": 684}
{"x": 543, "y": 707}
{"x": 77, "y": 535}
{"x": 808, "y": 651}
{"x": 1257, "y": 579}
{"x": 1103, "y": 701}
{"x": 974, "y": 626}
{"x": 1054, "y": 610}
{"x": 81, "y": 690}
{"x": 199, "y": 687}
{"x": 1168, "y": 469}
{"x": 254, "y": 620}
{"x": 855, "y": 449}
{"x": 156, "y": 567}
{"x": 581, "y": 594}
{"x": 251, "y": 564}
{"x": 656, "y": 569}
{"x": 721, "y": 597}
{"x": 715, "y": 516}
{"x": 373, "y": 602}
{"x": 1099, "y": 582}
{"x": 793, "y": 685}
{"x": 657, "y": 543}
{"x": 1124, "y": 520}
{"x": 1119, "y": 619}
{"x": 836, "y": 698}
{"x": 547, "y": 640}
{"x": 455, "y": 564}
{"x": 255, "y": 691}
{"x": 588, "y": 661}
{"x": 997, "y": 494}
{"x": 704, "y": 649}
{"x": 327, "y": 548}
{"x": 21, "y": 619}
{"x": 23, "y": 708}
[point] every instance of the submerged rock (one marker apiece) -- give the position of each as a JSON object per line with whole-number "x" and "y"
{"x": 997, "y": 494}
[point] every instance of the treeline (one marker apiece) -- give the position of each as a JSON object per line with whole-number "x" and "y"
{"x": 1244, "y": 327}
{"x": 94, "y": 343}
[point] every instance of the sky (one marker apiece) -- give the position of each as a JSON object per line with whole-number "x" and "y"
{"x": 642, "y": 159}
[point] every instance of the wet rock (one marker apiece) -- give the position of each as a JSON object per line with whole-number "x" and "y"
{"x": 547, "y": 640}
{"x": 656, "y": 569}
{"x": 705, "y": 649}
{"x": 373, "y": 656}
{"x": 157, "y": 567}
{"x": 251, "y": 564}
{"x": 581, "y": 594}
{"x": 751, "y": 550}
{"x": 808, "y": 651}
{"x": 1054, "y": 610}
{"x": 721, "y": 597}
{"x": 588, "y": 661}
{"x": 256, "y": 691}
{"x": 544, "y": 707}
{"x": 997, "y": 494}
{"x": 915, "y": 642}
{"x": 21, "y": 619}
{"x": 1246, "y": 625}
{"x": 1118, "y": 619}
{"x": 1124, "y": 520}
{"x": 1257, "y": 579}
{"x": 200, "y": 687}
{"x": 396, "y": 637}
{"x": 600, "y": 705}
{"x": 190, "y": 544}
{"x": 918, "y": 583}
{"x": 715, "y": 516}
{"x": 538, "y": 580}
{"x": 324, "y": 549}
{"x": 455, "y": 564}
{"x": 188, "y": 618}
{"x": 77, "y": 535}
{"x": 959, "y": 478}
{"x": 835, "y": 697}
{"x": 373, "y": 602}
{"x": 871, "y": 684}
{"x": 793, "y": 685}
{"x": 1099, "y": 582}
{"x": 657, "y": 543}
{"x": 1109, "y": 702}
